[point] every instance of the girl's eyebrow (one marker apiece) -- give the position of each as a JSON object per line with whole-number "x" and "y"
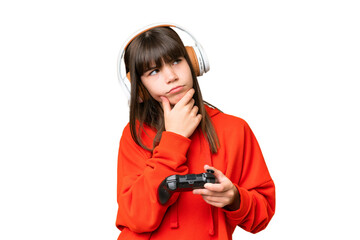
{"x": 148, "y": 67}
{"x": 152, "y": 65}
{"x": 152, "y": 68}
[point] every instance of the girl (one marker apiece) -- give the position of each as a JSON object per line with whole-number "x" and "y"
{"x": 172, "y": 130}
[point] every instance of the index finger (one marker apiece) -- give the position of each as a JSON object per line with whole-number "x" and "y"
{"x": 216, "y": 187}
{"x": 186, "y": 98}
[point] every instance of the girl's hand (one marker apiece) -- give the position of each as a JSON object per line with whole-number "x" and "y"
{"x": 183, "y": 118}
{"x": 221, "y": 194}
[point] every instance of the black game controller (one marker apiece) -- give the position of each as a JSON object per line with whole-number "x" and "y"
{"x": 182, "y": 183}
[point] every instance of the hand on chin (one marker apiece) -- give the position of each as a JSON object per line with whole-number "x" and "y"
{"x": 174, "y": 99}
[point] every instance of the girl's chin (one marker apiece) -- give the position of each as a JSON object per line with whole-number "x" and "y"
{"x": 175, "y": 99}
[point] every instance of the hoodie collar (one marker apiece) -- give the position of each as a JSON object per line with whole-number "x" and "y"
{"x": 212, "y": 111}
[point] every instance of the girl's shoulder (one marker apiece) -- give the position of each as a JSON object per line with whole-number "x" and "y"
{"x": 220, "y": 118}
{"x": 147, "y": 134}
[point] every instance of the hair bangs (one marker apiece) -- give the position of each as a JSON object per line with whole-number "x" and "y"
{"x": 155, "y": 51}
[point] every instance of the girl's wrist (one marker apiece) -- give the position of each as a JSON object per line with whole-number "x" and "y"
{"x": 178, "y": 133}
{"x": 235, "y": 205}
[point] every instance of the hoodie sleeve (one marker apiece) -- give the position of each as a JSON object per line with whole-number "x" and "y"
{"x": 139, "y": 175}
{"x": 254, "y": 183}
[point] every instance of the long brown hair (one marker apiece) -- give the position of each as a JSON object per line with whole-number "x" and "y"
{"x": 158, "y": 45}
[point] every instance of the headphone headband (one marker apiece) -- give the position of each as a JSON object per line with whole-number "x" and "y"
{"x": 202, "y": 64}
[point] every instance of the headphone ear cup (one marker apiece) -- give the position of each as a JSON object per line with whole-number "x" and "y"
{"x": 203, "y": 59}
{"x": 193, "y": 59}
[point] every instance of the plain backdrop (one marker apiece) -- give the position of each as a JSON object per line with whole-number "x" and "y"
{"x": 289, "y": 68}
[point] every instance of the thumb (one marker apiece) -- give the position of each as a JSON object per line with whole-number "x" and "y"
{"x": 165, "y": 104}
{"x": 217, "y": 173}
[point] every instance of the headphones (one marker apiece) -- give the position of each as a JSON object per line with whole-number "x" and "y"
{"x": 198, "y": 58}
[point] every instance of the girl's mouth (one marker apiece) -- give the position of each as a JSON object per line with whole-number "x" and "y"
{"x": 176, "y": 89}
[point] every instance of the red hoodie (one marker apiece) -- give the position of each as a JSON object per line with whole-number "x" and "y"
{"x": 188, "y": 216}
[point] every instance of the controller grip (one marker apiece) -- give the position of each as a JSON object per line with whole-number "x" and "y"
{"x": 164, "y": 193}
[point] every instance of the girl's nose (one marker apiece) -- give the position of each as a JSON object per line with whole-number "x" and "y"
{"x": 170, "y": 74}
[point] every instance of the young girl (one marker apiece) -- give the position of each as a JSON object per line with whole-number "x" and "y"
{"x": 172, "y": 130}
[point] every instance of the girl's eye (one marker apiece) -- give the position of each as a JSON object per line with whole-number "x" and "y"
{"x": 153, "y": 72}
{"x": 177, "y": 61}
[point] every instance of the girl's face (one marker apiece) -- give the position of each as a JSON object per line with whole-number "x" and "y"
{"x": 172, "y": 80}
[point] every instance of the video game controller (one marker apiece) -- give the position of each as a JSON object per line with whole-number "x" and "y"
{"x": 182, "y": 183}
